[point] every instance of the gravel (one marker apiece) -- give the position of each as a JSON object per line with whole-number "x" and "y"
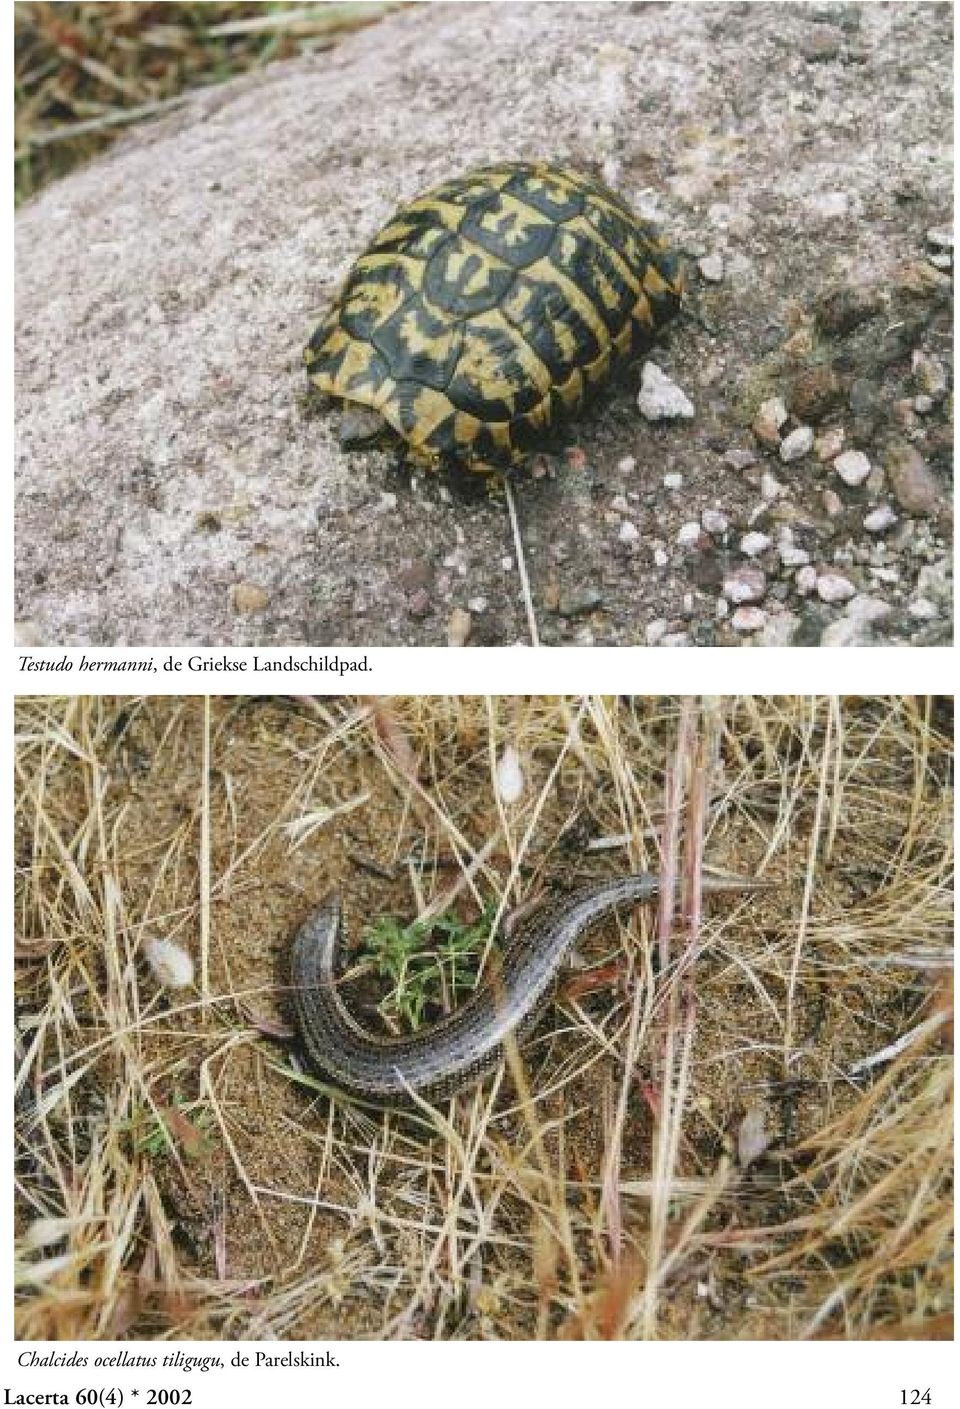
{"x": 834, "y": 587}
{"x": 748, "y": 619}
{"x": 853, "y": 467}
{"x": 660, "y": 399}
{"x": 914, "y": 485}
{"x": 797, "y": 444}
{"x": 753, "y": 544}
{"x": 880, "y": 519}
{"x": 747, "y": 584}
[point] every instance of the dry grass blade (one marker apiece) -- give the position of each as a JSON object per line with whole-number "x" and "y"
{"x": 522, "y": 565}
{"x": 84, "y": 72}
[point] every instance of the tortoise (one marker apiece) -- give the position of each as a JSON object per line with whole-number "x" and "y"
{"x": 485, "y": 312}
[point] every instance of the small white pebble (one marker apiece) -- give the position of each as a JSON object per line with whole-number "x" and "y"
{"x": 714, "y": 521}
{"x": 660, "y": 557}
{"x": 627, "y": 465}
{"x": 806, "y": 581}
{"x": 864, "y": 610}
{"x": 852, "y": 466}
{"x": 689, "y": 534}
{"x": 923, "y": 404}
{"x": 753, "y": 544}
{"x": 172, "y": 966}
{"x": 880, "y": 519}
{"x": 747, "y": 619}
{"x": 509, "y": 775}
{"x": 478, "y": 604}
{"x": 797, "y": 444}
{"x": 619, "y": 504}
{"x": 834, "y": 587}
{"x": 832, "y": 503}
{"x": 629, "y": 533}
{"x": 675, "y": 639}
{"x": 660, "y": 399}
{"x": 747, "y": 584}
{"x": 922, "y": 609}
{"x": 506, "y": 563}
{"x": 672, "y": 481}
{"x": 793, "y": 557}
{"x": 655, "y": 631}
{"x": 711, "y": 267}
{"x": 770, "y": 486}
{"x": 722, "y": 608}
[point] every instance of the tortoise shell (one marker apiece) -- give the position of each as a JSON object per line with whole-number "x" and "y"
{"x": 488, "y": 308}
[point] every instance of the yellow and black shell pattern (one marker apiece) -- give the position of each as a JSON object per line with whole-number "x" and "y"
{"x": 487, "y": 309}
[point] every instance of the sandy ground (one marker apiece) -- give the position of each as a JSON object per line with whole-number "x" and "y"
{"x": 175, "y": 484}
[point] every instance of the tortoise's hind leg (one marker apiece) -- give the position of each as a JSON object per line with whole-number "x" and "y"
{"x": 360, "y": 425}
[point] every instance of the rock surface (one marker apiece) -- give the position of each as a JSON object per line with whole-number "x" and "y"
{"x": 175, "y": 484}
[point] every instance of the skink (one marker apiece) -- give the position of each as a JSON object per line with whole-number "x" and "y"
{"x": 465, "y": 1045}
